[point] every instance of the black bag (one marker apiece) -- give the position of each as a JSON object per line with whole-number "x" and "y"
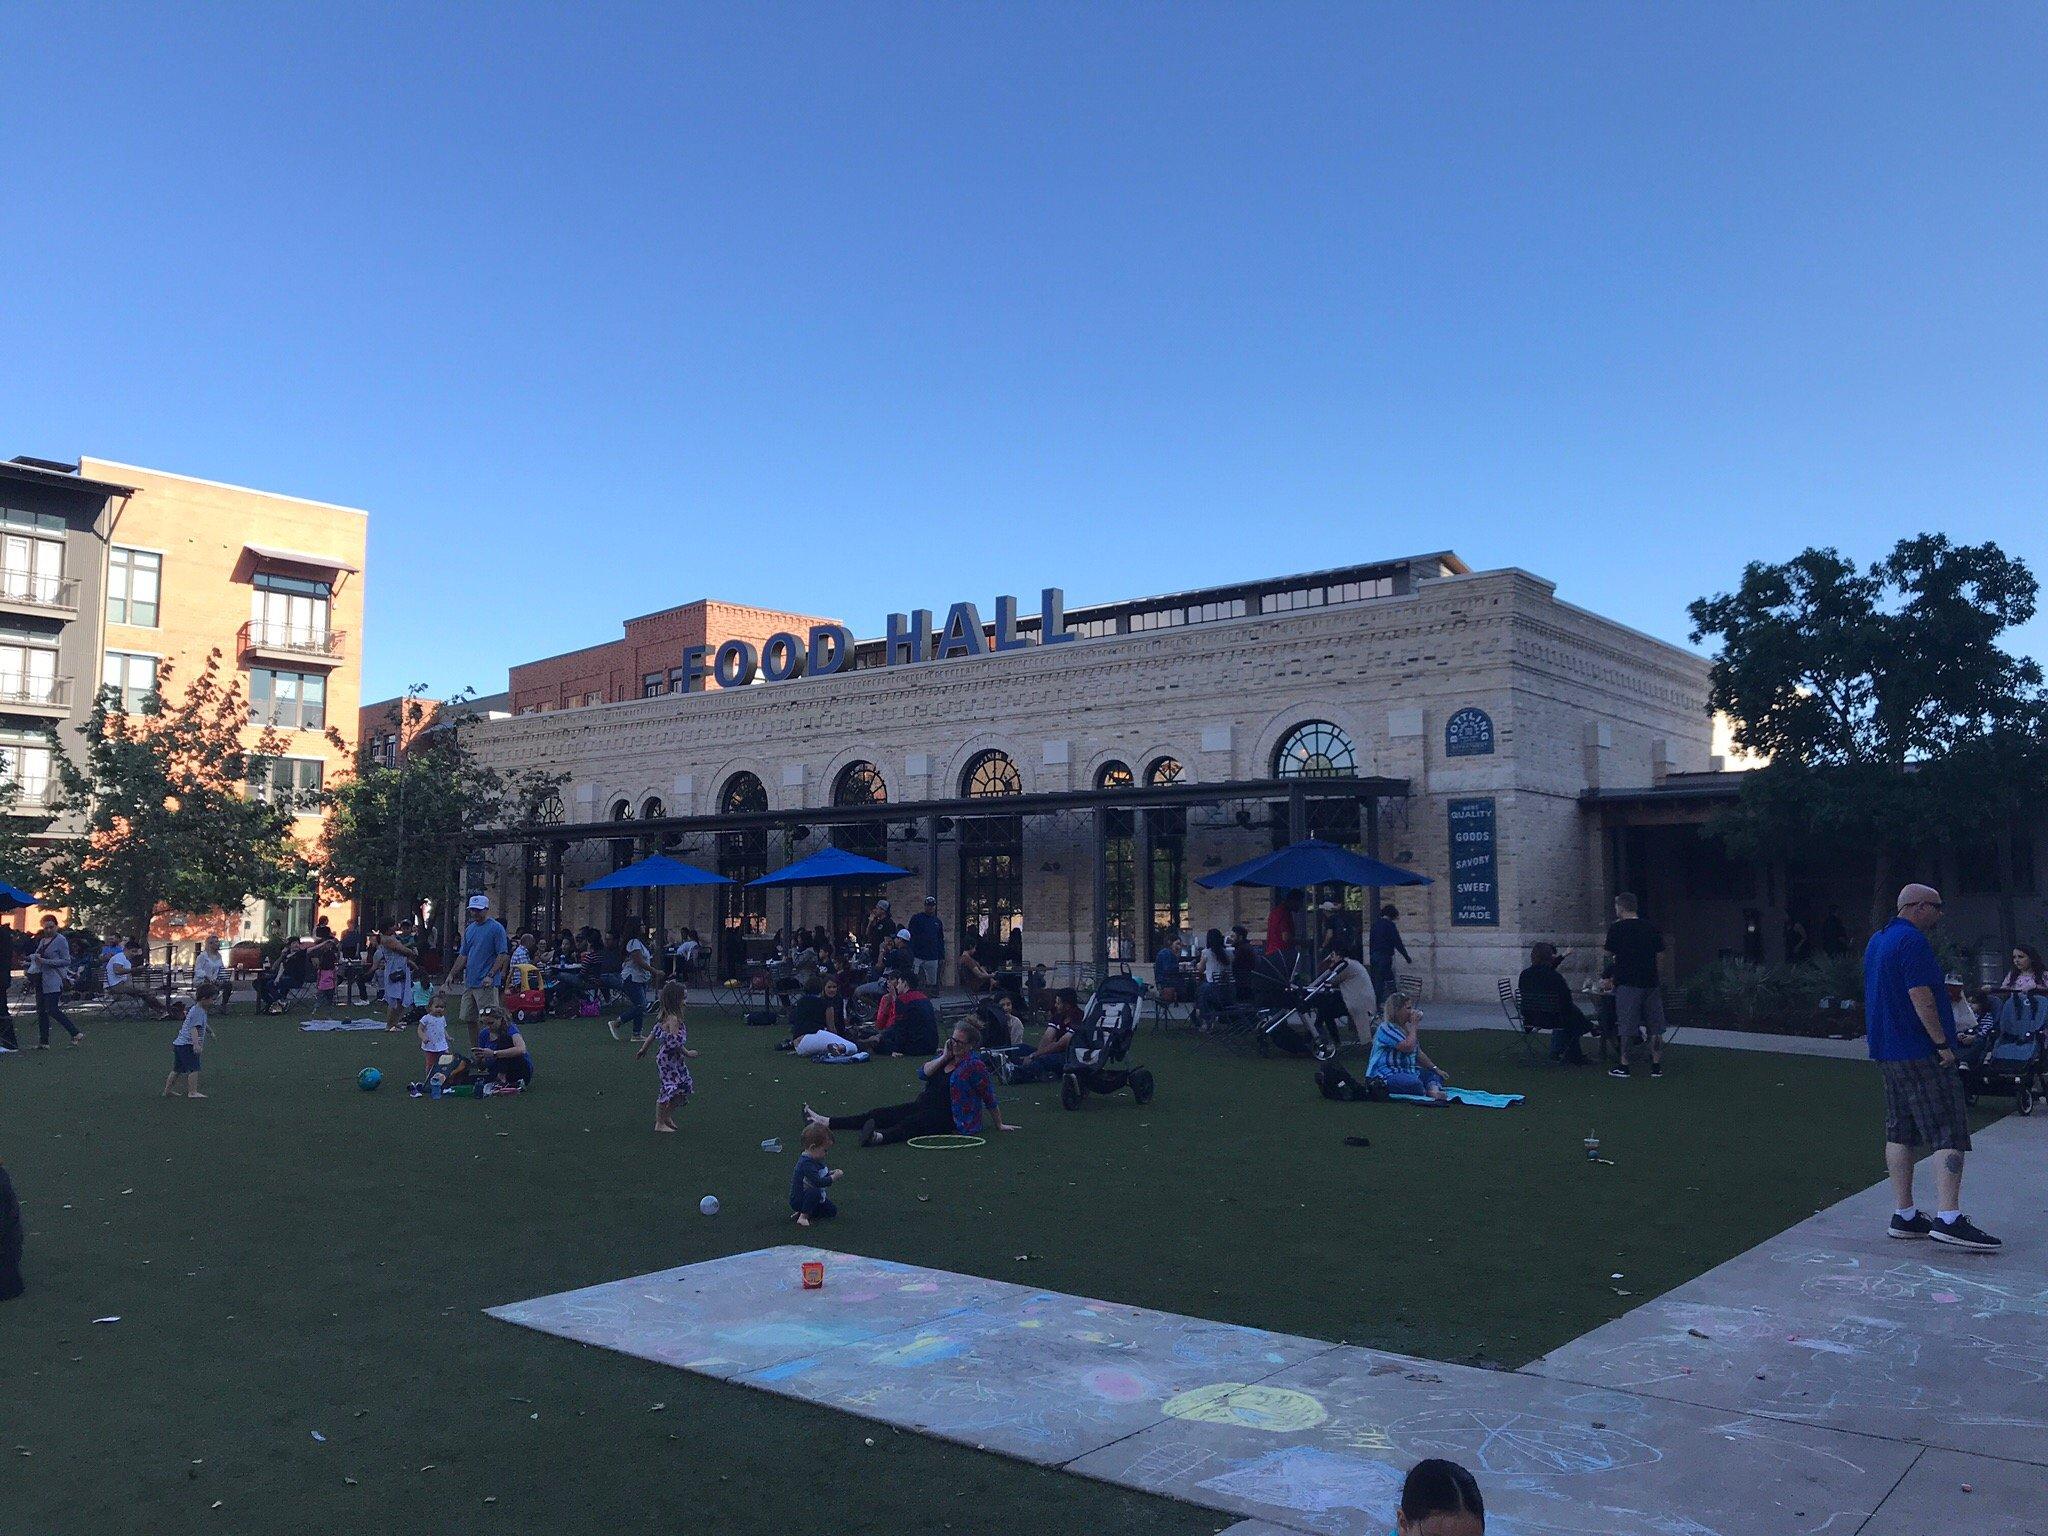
{"x": 762, "y": 1018}
{"x": 1333, "y": 1082}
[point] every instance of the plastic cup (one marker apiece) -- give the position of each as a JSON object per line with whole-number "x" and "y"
{"x": 1592, "y": 1148}
{"x": 814, "y": 1274}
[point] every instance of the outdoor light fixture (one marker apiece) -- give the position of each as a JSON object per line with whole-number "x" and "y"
{"x": 799, "y": 834}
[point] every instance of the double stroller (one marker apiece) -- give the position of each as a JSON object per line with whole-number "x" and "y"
{"x": 1102, "y": 1041}
{"x": 2006, "y": 1055}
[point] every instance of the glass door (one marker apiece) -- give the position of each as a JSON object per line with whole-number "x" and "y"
{"x": 292, "y": 619}
{"x": 30, "y": 568}
{"x": 28, "y": 674}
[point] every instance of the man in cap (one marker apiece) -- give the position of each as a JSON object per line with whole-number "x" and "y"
{"x": 482, "y": 960}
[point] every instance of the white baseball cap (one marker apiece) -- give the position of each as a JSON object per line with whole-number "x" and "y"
{"x": 479, "y": 903}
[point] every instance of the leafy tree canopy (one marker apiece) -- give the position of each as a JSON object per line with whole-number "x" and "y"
{"x": 162, "y": 799}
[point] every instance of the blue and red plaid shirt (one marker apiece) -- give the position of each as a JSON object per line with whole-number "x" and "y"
{"x": 973, "y": 1089}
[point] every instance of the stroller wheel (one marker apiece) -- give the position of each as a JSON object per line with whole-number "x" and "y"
{"x": 1070, "y": 1092}
{"x": 2023, "y": 1101}
{"x": 1326, "y": 1048}
{"x": 1141, "y": 1086}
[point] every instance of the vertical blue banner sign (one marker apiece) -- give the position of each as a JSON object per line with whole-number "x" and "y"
{"x": 1475, "y": 864}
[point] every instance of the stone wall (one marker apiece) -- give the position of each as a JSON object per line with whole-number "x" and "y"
{"x": 1575, "y": 701}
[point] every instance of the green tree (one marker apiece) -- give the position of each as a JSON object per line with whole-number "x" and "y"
{"x": 163, "y": 805}
{"x": 1890, "y": 711}
{"x": 21, "y": 861}
{"x": 399, "y": 833}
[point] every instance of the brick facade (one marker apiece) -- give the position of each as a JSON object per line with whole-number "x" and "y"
{"x": 1576, "y": 700}
{"x": 652, "y": 646}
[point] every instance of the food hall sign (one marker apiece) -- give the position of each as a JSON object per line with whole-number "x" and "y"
{"x": 828, "y": 648}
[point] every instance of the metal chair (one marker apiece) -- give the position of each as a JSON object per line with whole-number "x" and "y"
{"x": 1511, "y": 1005}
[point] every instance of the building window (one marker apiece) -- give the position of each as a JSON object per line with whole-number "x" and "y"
{"x": 742, "y": 856}
{"x": 652, "y": 685}
{"x": 991, "y": 773}
{"x": 25, "y": 764}
{"x": 294, "y": 701}
{"x": 1157, "y": 618}
{"x": 134, "y": 580}
{"x": 289, "y": 611}
{"x": 292, "y": 782}
{"x": 1315, "y": 749}
{"x": 28, "y": 674}
{"x": 1209, "y": 613}
{"x": 31, "y": 556}
{"x": 1120, "y": 869}
{"x": 677, "y": 682}
{"x": 289, "y": 919}
{"x": 1167, "y": 911}
{"x": 858, "y": 783}
{"x": 593, "y": 698}
{"x": 134, "y": 675}
{"x": 1091, "y": 629}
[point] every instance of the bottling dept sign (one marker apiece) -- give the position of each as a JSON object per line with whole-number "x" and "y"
{"x": 827, "y": 648}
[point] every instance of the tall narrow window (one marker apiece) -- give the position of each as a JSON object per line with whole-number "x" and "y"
{"x": 134, "y": 675}
{"x": 134, "y": 582}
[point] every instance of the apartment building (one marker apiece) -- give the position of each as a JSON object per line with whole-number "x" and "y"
{"x": 113, "y": 574}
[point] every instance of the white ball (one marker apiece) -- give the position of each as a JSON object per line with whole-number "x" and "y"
{"x": 708, "y": 1205}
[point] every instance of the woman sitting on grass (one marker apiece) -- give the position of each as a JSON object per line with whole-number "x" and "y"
{"x": 957, "y": 1088}
{"x": 1398, "y": 1059}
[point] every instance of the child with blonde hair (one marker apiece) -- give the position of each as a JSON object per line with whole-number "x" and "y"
{"x": 809, "y": 1183}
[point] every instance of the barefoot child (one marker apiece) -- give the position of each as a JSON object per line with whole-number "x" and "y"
{"x": 672, "y": 1035}
{"x": 433, "y": 1032}
{"x": 812, "y": 1178}
{"x": 192, "y": 1039}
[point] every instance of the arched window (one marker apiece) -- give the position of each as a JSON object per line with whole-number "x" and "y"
{"x": 651, "y": 809}
{"x": 1315, "y": 749}
{"x": 991, "y": 858}
{"x": 547, "y": 810}
{"x": 1168, "y": 912}
{"x": 991, "y": 773}
{"x": 858, "y": 783}
{"x": 742, "y": 856}
{"x": 1120, "y": 870}
{"x": 620, "y": 904}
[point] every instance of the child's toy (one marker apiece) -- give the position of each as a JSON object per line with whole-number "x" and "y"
{"x": 814, "y": 1274}
{"x": 368, "y": 1079}
{"x": 525, "y": 995}
{"x": 708, "y": 1205}
{"x": 1103, "y": 1039}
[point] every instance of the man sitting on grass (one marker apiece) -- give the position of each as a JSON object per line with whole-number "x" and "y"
{"x": 912, "y": 1025}
{"x": 1049, "y": 1059}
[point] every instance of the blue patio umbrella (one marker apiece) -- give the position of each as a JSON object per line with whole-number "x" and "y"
{"x": 12, "y": 896}
{"x": 833, "y": 866}
{"x": 656, "y": 871}
{"x": 1312, "y": 862}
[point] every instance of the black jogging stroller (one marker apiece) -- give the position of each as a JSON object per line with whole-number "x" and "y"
{"x": 2007, "y": 1056}
{"x": 1102, "y": 1042}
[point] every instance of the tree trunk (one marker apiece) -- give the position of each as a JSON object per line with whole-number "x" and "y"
{"x": 1883, "y": 894}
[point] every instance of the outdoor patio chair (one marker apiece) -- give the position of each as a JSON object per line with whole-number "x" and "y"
{"x": 1511, "y": 1005}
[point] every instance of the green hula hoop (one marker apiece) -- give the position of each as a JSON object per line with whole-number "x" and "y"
{"x": 944, "y": 1143}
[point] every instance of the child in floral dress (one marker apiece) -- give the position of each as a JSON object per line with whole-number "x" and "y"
{"x": 671, "y": 1037}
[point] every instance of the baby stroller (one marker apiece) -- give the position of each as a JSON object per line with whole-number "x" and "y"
{"x": 2006, "y": 1057}
{"x": 1304, "y": 1022}
{"x": 1103, "y": 1039}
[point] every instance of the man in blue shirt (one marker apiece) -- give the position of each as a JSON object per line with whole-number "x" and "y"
{"x": 1913, "y": 1041}
{"x": 928, "y": 942}
{"x": 482, "y": 959}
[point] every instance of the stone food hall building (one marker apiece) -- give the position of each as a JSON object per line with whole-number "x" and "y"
{"x": 1032, "y": 785}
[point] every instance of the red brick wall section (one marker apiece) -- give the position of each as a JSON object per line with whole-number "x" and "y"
{"x": 652, "y": 643}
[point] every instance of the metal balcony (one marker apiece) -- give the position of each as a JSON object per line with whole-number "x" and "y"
{"x": 291, "y": 644}
{"x": 49, "y": 697}
{"x": 38, "y": 596}
{"x": 37, "y": 797}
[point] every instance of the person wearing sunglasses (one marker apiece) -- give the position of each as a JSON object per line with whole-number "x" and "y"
{"x": 1912, "y": 1034}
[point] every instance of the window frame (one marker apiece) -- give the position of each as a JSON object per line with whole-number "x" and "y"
{"x": 127, "y": 596}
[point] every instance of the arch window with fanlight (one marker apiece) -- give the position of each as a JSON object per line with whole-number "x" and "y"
{"x": 858, "y": 783}
{"x": 991, "y": 856}
{"x": 742, "y": 856}
{"x": 1166, "y": 907}
{"x": 1120, "y": 870}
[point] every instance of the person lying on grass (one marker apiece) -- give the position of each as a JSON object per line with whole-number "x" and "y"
{"x": 957, "y": 1088}
{"x": 1398, "y": 1059}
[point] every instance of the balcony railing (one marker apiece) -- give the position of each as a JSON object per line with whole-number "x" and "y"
{"x": 49, "y": 594}
{"x": 292, "y": 640}
{"x": 34, "y": 797}
{"x": 36, "y": 693}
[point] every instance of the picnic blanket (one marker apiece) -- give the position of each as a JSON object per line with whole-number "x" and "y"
{"x": 315, "y": 1026}
{"x": 1475, "y": 1096}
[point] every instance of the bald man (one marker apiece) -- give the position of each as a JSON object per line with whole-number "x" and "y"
{"x": 1913, "y": 1041}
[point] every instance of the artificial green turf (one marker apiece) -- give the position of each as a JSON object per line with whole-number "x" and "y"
{"x": 292, "y": 1255}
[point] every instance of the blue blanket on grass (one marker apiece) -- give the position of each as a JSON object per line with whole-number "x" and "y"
{"x": 1475, "y": 1096}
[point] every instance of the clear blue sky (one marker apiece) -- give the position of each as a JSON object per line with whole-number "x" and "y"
{"x": 846, "y": 308}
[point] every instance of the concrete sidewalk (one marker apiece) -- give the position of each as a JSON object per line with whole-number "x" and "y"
{"x": 1466, "y": 1016}
{"x": 1828, "y": 1381}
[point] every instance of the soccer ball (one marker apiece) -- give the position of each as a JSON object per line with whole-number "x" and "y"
{"x": 368, "y": 1079}
{"x": 708, "y": 1205}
